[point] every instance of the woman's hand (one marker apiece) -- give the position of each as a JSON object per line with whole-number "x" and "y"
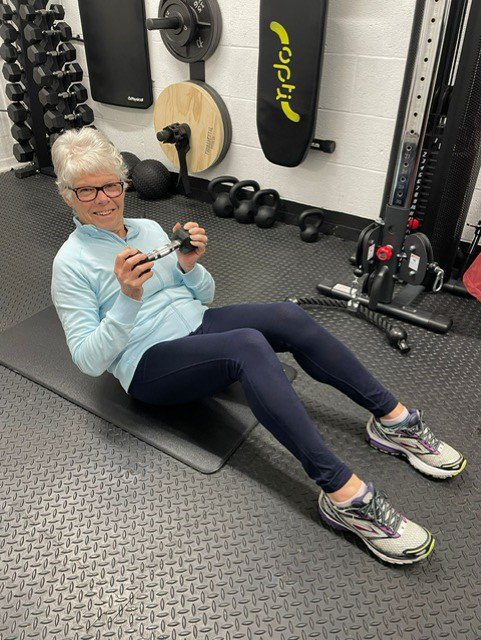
{"x": 131, "y": 275}
{"x": 197, "y": 238}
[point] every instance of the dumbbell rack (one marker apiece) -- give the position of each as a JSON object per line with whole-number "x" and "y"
{"x": 32, "y": 59}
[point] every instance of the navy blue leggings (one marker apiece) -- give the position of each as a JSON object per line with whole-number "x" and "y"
{"x": 239, "y": 342}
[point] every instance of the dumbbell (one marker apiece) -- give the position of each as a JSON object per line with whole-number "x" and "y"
{"x": 45, "y": 76}
{"x": 17, "y": 112}
{"x": 21, "y": 132}
{"x": 55, "y": 11}
{"x": 6, "y": 12}
{"x": 9, "y": 52}
{"x": 56, "y": 121}
{"x": 49, "y": 98}
{"x": 65, "y": 53}
{"x": 12, "y": 72}
{"x": 34, "y": 34}
{"x": 23, "y": 152}
{"x": 15, "y": 92}
{"x": 52, "y": 137}
{"x": 8, "y": 33}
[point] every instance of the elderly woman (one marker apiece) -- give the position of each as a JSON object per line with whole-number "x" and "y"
{"x": 150, "y": 326}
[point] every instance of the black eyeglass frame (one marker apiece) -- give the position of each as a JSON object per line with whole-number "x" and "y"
{"x": 97, "y": 189}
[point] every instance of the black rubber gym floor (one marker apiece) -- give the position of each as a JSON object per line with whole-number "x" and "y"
{"x": 103, "y": 536}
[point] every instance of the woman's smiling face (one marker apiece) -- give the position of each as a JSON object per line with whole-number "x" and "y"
{"x": 104, "y": 211}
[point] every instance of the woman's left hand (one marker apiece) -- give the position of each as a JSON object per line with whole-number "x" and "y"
{"x": 197, "y": 238}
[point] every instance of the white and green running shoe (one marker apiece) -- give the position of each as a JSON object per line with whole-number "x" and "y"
{"x": 416, "y": 442}
{"x": 387, "y": 533}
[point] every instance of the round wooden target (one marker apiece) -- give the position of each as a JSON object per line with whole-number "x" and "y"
{"x": 198, "y": 105}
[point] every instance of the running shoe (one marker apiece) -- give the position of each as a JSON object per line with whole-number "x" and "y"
{"x": 416, "y": 442}
{"x": 387, "y": 533}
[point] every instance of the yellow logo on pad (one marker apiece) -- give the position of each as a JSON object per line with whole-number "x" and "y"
{"x": 284, "y": 92}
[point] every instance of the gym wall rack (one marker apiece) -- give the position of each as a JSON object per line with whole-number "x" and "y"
{"x": 191, "y": 120}
{"x": 39, "y": 68}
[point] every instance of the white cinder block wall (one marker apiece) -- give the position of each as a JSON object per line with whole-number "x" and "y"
{"x": 365, "y": 54}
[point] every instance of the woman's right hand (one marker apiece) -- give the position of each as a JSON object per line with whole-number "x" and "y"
{"x": 130, "y": 274}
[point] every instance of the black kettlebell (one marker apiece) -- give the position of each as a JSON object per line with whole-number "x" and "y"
{"x": 222, "y": 206}
{"x": 243, "y": 210}
{"x": 264, "y": 214}
{"x": 310, "y": 221}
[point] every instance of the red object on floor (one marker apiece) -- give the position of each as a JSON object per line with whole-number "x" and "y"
{"x": 472, "y": 278}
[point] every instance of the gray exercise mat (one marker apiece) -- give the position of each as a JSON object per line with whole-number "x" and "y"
{"x": 203, "y": 435}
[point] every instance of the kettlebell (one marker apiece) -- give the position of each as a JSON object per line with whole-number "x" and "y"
{"x": 310, "y": 221}
{"x": 264, "y": 214}
{"x": 243, "y": 210}
{"x": 222, "y": 206}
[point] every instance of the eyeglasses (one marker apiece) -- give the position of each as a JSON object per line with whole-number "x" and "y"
{"x": 87, "y": 194}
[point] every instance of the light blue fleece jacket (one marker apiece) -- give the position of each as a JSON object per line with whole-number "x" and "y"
{"x": 105, "y": 329}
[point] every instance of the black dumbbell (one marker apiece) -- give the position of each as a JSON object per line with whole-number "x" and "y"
{"x": 65, "y": 53}
{"x": 21, "y": 132}
{"x": 56, "y": 121}
{"x": 8, "y": 33}
{"x": 17, "y": 112}
{"x": 49, "y": 98}
{"x": 34, "y": 34}
{"x": 15, "y": 92}
{"x": 310, "y": 223}
{"x": 45, "y": 76}
{"x": 52, "y": 137}
{"x": 6, "y": 12}
{"x": 12, "y": 72}
{"x": 23, "y": 152}
{"x": 8, "y": 52}
{"x": 55, "y": 11}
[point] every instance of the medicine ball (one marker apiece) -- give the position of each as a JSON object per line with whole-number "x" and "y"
{"x": 130, "y": 161}
{"x": 151, "y": 179}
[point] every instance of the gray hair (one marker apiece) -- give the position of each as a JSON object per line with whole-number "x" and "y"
{"x": 77, "y": 152}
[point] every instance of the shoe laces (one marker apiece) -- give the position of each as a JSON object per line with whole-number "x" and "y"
{"x": 420, "y": 429}
{"x": 379, "y": 510}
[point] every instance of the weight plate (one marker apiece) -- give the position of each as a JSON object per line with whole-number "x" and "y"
{"x": 206, "y": 28}
{"x": 199, "y": 106}
{"x": 225, "y": 118}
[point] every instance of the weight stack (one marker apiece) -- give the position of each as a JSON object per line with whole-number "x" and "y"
{"x": 37, "y": 59}
{"x": 454, "y": 162}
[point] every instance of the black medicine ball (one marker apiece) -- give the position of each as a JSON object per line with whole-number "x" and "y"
{"x": 131, "y": 161}
{"x": 151, "y": 179}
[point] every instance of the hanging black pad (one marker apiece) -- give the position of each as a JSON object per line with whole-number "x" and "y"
{"x": 117, "y": 52}
{"x": 291, "y": 43}
{"x": 201, "y": 434}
